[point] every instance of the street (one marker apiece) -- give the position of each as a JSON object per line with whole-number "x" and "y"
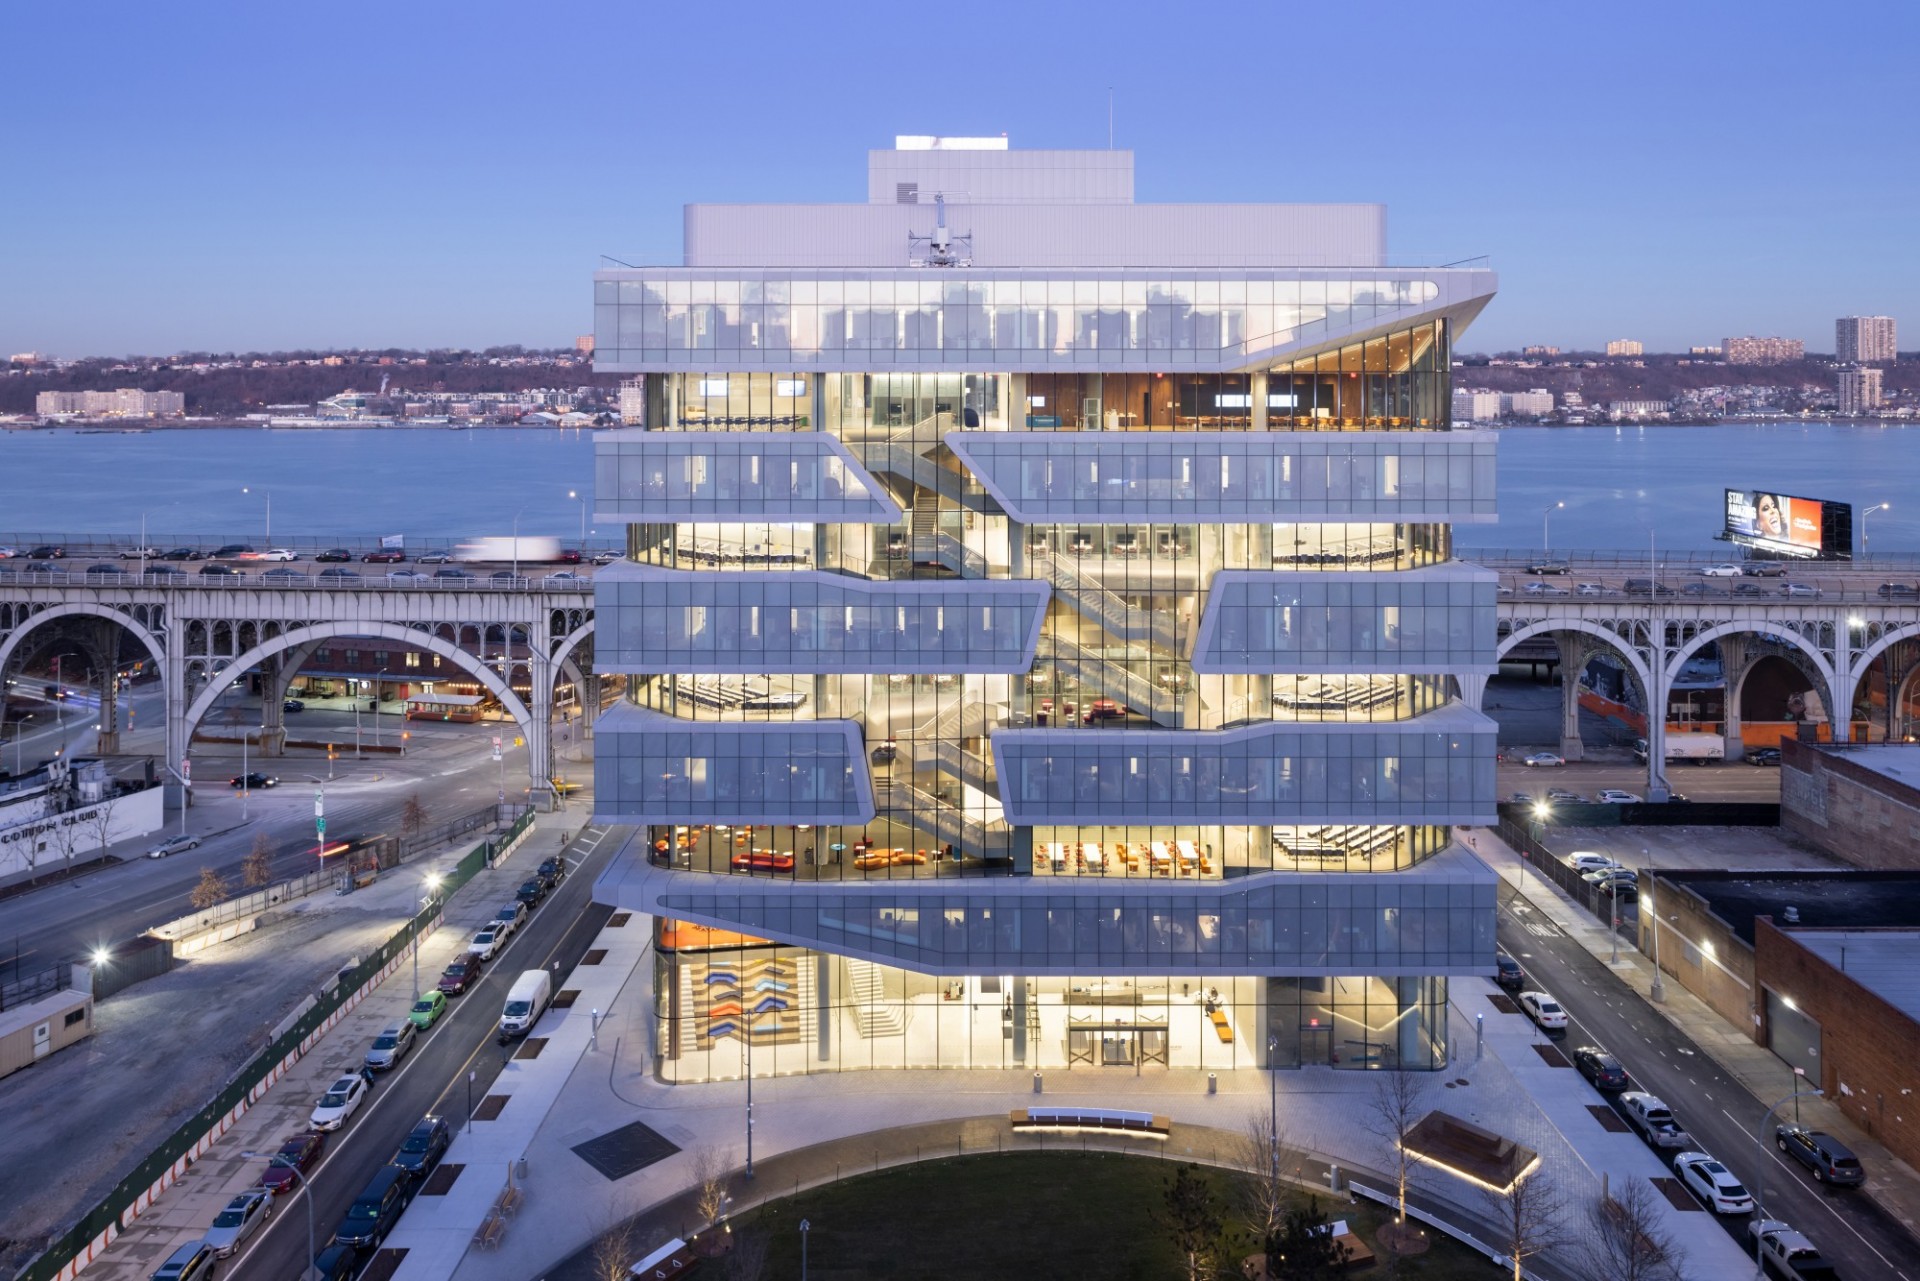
{"x": 1855, "y": 1235}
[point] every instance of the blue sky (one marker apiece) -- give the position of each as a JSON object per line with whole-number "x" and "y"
{"x": 255, "y": 176}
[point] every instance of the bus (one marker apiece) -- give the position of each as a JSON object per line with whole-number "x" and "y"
{"x": 463, "y": 708}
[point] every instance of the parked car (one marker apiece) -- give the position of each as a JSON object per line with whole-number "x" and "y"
{"x": 333, "y": 556}
{"x": 377, "y": 1208}
{"x": 296, "y": 1155}
{"x": 569, "y": 556}
{"x": 391, "y": 1046}
{"x": 485, "y": 943}
{"x": 1584, "y": 861}
{"x": 1544, "y": 589}
{"x": 1599, "y": 874}
{"x": 503, "y": 576}
{"x": 427, "y": 1010}
{"x": 174, "y": 845}
{"x": 605, "y": 558}
{"x": 276, "y": 553}
{"x": 1646, "y": 587}
{"x": 1749, "y": 589}
{"x": 1903, "y": 591}
{"x": 164, "y": 573}
{"x": 434, "y": 558}
{"x": 335, "y": 577}
{"x": 455, "y": 575}
{"x": 1653, "y": 1120}
{"x": 1544, "y": 1011}
{"x": 424, "y": 1147}
{"x": 1720, "y": 571}
{"x": 1507, "y": 973}
{"x": 191, "y": 1262}
{"x": 1701, "y": 589}
{"x": 563, "y": 578}
{"x": 1614, "y": 796}
{"x": 1589, "y": 589}
{"x": 531, "y": 891}
{"x": 179, "y": 553}
{"x": 1764, "y": 569}
{"x": 104, "y": 570}
{"x": 1799, "y": 589}
{"x": 140, "y": 553}
{"x": 1617, "y": 884}
{"x": 240, "y": 1220}
{"x": 1713, "y": 1183}
{"x": 342, "y": 1099}
{"x": 284, "y": 575}
{"x": 292, "y": 705}
{"x": 1788, "y": 1254}
{"x": 1827, "y": 1158}
{"x": 1762, "y": 756}
{"x": 1550, "y": 567}
{"x": 337, "y": 1262}
{"x": 462, "y": 971}
{"x": 1542, "y": 760}
{"x": 511, "y": 917}
{"x": 384, "y": 556}
{"x": 253, "y": 781}
{"x": 231, "y": 549}
{"x": 404, "y": 576}
{"x": 47, "y": 552}
{"x": 220, "y": 571}
{"x": 1561, "y": 795}
{"x": 552, "y": 871}
{"x": 1601, "y": 1068}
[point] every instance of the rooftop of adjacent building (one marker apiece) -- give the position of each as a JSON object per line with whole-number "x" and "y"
{"x": 1820, "y": 900}
{"x": 1885, "y": 962}
{"x": 1038, "y": 208}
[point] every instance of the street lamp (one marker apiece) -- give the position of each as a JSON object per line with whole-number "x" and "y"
{"x": 1863, "y": 525}
{"x": 575, "y": 495}
{"x": 19, "y": 731}
{"x": 433, "y": 888}
{"x": 269, "y": 497}
{"x": 516, "y": 544}
{"x": 376, "y": 707}
{"x": 1658, "y": 991}
{"x": 1545, "y": 545}
{"x": 1760, "y": 1192}
{"x": 274, "y": 1158}
{"x": 1273, "y": 1103}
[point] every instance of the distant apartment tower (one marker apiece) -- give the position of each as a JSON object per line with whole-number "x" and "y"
{"x": 1859, "y": 390}
{"x": 1864, "y": 339}
{"x": 1539, "y": 351}
{"x": 1527, "y": 404}
{"x": 1625, "y": 347}
{"x": 1710, "y": 352}
{"x": 583, "y": 345}
{"x": 1625, "y": 410}
{"x": 633, "y": 402}
{"x": 1762, "y": 351}
{"x": 127, "y": 402}
{"x": 1475, "y": 406}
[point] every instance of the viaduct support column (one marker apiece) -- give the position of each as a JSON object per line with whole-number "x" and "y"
{"x": 1575, "y": 650}
{"x": 275, "y": 676}
{"x": 540, "y": 710}
{"x": 173, "y": 681}
{"x": 107, "y": 684}
{"x": 1733, "y": 671}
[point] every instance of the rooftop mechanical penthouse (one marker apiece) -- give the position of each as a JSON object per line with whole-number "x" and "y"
{"x": 1044, "y": 643}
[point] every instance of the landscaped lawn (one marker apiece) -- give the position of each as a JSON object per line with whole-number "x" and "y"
{"x": 1027, "y": 1215}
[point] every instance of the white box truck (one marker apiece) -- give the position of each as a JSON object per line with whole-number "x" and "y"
{"x": 525, "y": 1004}
{"x": 1694, "y": 749}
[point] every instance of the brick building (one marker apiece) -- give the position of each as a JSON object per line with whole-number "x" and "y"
{"x": 1859, "y": 803}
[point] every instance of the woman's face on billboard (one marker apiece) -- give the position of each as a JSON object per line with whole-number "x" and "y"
{"x": 1767, "y": 514}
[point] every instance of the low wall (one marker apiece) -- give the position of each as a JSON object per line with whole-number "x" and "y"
{"x": 39, "y": 845}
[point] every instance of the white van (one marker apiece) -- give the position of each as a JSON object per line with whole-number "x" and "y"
{"x": 525, "y": 1004}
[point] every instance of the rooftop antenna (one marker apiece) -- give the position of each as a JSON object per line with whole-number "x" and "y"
{"x": 942, "y": 248}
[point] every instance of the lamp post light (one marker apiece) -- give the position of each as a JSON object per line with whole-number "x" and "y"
{"x": 1273, "y": 1104}
{"x": 575, "y": 495}
{"x": 1545, "y": 544}
{"x": 1658, "y": 991}
{"x": 269, "y": 497}
{"x": 516, "y": 546}
{"x": 274, "y": 1158}
{"x": 376, "y": 707}
{"x": 806, "y": 1226}
{"x": 471, "y": 1073}
{"x": 1760, "y": 1191}
{"x": 433, "y": 888}
{"x": 1866, "y": 512}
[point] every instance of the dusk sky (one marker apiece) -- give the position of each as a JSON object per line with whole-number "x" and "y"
{"x": 253, "y": 176}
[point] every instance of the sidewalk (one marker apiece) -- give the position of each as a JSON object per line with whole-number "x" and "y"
{"x": 814, "y": 1129}
{"x": 1892, "y": 1184}
{"x": 181, "y": 1213}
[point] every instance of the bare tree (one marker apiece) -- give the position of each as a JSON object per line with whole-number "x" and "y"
{"x": 747, "y": 1259}
{"x": 1634, "y": 1242}
{"x": 712, "y": 1173}
{"x": 1532, "y": 1219}
{"x": 257, "y": 868}
{"x": 211, "y": 890}
{"x": 1396, "y": 1107}
{"x": 413, "y": 816}
{"x": 66, "y": 835}
{"x": 1262, "y": 1195}
{"x": 100, "y": 819}
{"x": 612, "y": 1252}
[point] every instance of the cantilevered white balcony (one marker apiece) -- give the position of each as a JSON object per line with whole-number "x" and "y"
{"x": 1439, "y": 619}
{"x": 667, "y": 476}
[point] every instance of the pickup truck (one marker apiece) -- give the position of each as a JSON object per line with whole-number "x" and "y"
{"x": 1787, "y": 1254}
{"x": 1653, "y": 1120}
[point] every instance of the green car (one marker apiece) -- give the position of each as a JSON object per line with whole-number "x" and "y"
{"x": 427, "y": 1010}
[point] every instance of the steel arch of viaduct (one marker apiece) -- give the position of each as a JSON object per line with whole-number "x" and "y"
{"x": 81, "y": 609}
{"x": 1636, "y": 659}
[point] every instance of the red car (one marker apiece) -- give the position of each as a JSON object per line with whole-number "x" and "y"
{"x": 762, "y": 861}
{"x": 385, "y": 556}
{"x": 464, "y": 970}
{"x": 569, "y": 556}
{"x": 299, "y": 1153}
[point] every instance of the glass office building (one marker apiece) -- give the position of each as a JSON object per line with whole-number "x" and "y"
{"x": 1043, "y": 637}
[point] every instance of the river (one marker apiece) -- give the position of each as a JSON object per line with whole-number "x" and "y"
{"x": 1618, "y": 483}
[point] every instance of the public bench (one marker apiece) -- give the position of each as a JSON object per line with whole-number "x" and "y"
{"x": 1082, "y": 1120}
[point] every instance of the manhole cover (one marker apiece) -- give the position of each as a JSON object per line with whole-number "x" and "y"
{"x": 490, "y": 1107}
{"x": 594, "y": 957}
{"x": 441, "y": 1180}
{"x": 531, "y": 1047}
{"x": 618, "y": 1153}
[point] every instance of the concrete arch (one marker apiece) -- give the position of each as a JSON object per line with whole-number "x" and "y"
{"x": 571, "y": 643}
{"x": 1612, "y": 640}
{"x": 81, "y": 610}
{"x": 1864, "y": 659}
{"x": 1695, "y": 643}
{"x": 296, "y": 636}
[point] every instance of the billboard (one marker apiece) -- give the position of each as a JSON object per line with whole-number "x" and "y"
{"x": 1785, "y": 525}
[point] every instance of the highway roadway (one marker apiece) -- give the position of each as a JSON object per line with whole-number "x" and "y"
{"x": 1855, "y": 1234}
{"x": 432, "y": 1079}
{"x": 1732, "y": 781}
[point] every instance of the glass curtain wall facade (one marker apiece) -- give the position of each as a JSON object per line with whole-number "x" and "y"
{"x": 891, "y": 630}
